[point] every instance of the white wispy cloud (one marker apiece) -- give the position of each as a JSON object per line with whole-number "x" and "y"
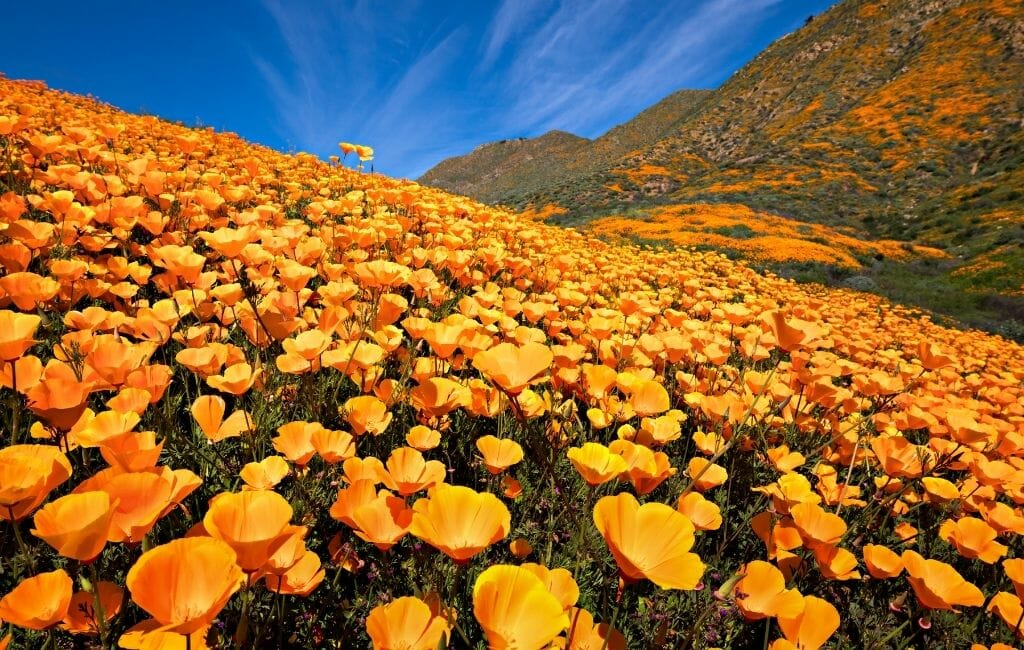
{"x": 419, "y": 90}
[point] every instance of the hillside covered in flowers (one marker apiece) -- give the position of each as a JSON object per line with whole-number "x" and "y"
{"x": 252, "y": 399}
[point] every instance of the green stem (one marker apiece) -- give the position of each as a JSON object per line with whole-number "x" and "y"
{"x": 21, "y": 541}
{"x": 101, "y": 619}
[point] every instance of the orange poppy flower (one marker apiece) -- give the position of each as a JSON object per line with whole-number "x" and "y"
{"x": 423, "y": 438}
{"x": 706, "y": 475}
{"x": 836, "y": 563}
{"x": 406, "y": 623}
{"x": 499, "y": 453}
{"x": 520, "y": 548}
{"x": 16, "y": 334}
{"x": 973, "y": 538}
{"x": 39, "y": 602}
{"x": 1009, "y": 608}
{"x": 253, "y": 523}
{"x": 459, "y": 521}
{"x": 208, "y": 412}
{"x": 236, "y": 379}
{"x": 369, "y": 468}
{"x": 408, "y": 472}
{"x": 349, "y": 499}
{"x": 816, "y": 525}
{"x": 301, "y": 577}
{"x": 649, "y": 398}
{"x": 515, "y": 610}
{"x": 664, "y": 559}
{"x": 163, "y": 582}
{"x": 511, "y": 488}
{"x": 438, "y": 396}
{"x": 76, "y": 525}
{"x": 265, "y": 474}
{"x": 762, "y": 593}
{"x": 382, "y": 521}
{"x": 60, "y": 396}
{"x": 81, "y": 616}
{"x": 1014, "y": 569}
{"x": 513, "y": 368}
{"x": 703, "y": 514}
{"x": 596, "y": 463}
{"x": 585, "y": 634}
{"x": 882, "y": 562}
{"x": 28, "y": 473}
{"x": 333, "y": 446}
{"x": 558, "y": 581}
{"x": 367, "y": 413}
{"x": 938, "y": 585}
{"x": 142, "y": 498}
{"x": 813, "y": 626}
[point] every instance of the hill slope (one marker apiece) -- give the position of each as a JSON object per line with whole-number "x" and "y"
{"x": 368, "y": 334}
{"x": 511, "y": 171}
{"x": 896, "y": 119}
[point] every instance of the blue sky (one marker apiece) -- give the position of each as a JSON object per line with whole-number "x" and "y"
{"x": 417, "y": 80}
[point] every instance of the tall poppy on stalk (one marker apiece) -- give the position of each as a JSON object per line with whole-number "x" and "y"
{"x": 651, "y": 541}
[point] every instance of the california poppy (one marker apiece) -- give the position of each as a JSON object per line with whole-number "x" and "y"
{"x": 973, "y": 538}
{"x": 938, "y": 585}
{"x": 596, "y": 463}
{"x": 762, "y": 593}
{"x": 408, "y": 472}
{"x": 76, "y": 525}
{"x": 459, "y": 521}
{"x": 813, "y": 626}
{"x": 265, "y": 474}
{"x": 28, "y": 473}
{"x": 208, "y": 412}
{"x": 16, "y": 333}
{"x": 406, "y": 623}
{"x": 184, "y": 584}
{"x": 664, "y": 558}
{"x": 511, "y": 367}
{"x": 253, "y": 523}
{"x": 38, "y": 602}
{"x": 586, "y": 634}
{"x": 499, "y": 453}
{"x": 82, "y": 615}
{"x": 515, "y": 610}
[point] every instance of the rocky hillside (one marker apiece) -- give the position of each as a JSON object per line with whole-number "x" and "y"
{"x": 513, "y": 171}
{"x": 894, "y": 119}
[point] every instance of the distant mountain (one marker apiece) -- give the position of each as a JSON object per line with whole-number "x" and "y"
{"x": 513, "y": 171}
{"x": 899, "y": 119}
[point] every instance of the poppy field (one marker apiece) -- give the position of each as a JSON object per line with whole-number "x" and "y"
{"x": 256, "y": 400}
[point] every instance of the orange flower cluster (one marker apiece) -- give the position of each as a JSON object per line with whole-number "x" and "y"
{"x": 756, "y": 236}
{"x": 276, "y": 401}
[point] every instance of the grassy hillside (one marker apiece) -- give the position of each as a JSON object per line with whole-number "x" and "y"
{"x": 369, "y": 413}
{"x": 898, "y": 120}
